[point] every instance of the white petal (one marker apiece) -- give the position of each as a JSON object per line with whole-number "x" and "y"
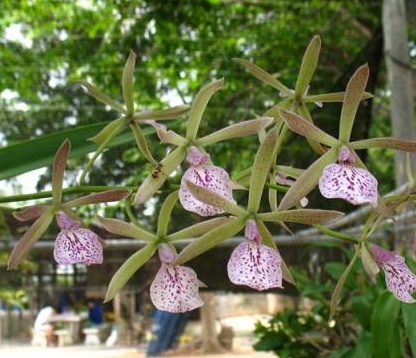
{"x": 175, "y": 289}
{"x": 356, "y": 185}
{"x": 255, "y": 265}
{"x": 78, "y": 246}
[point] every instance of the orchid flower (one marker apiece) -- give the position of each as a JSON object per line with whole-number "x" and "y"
{"x": 346, "y": 181}
{"x": 253, "y": 264}
{"x": 208, "y": 176}
{"x": 175, "y": 287}
{"x": 399, "y": 279}
{"x": 75, "y": 244}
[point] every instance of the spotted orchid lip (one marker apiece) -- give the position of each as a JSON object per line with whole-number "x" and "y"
{"x": 207, "y": 176}
{"x": 399, "y": 279}
{"x": 349, "y": 182}
{"x": 76, "y": 245}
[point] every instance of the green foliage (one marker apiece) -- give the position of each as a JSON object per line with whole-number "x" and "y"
{"x": 370, "y": 322}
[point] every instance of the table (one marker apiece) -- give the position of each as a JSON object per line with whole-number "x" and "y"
{"x": 70, "y": 322}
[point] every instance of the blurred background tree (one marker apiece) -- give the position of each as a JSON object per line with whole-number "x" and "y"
{"x": 180, "y": 46}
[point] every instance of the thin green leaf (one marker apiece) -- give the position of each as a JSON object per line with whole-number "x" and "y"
{"x": 127, "y": 270}
{"x": 198, "y": 107}
{"x": 260, "y": 171}
{"x": 166, "y": 212}
{"x": 209, "y": 197}
{"x": 308, "y": 66}
{"x": 127, "y": 82}
{"x": 101, "y": 197}
{"x": 307, "y": 129}
{"x": 385, "y": 327}
{"x": 198, "y": 229}
{"x": 264, "y": 76}
{"x": 353, "y": 95}
{"x": 39, "y": 152}
{"x": 308, "y": 180}
{"x": 124, "y": 229}
{"x": 241, "y": 129}
{"x": 340, "y": 284}
{"x": 25, "y": 244}
{"x": 409, "y": 314}
{"x": 210, "y": 239}
{"x": 385, "y": 142}
{"x": 150, "y": 185}
{"x": 301, "y": 216}
{"x": 102, "y": 97}
{"x": 58, "y": 171}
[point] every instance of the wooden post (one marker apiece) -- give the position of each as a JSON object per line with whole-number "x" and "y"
{"x": 210, "y": 342}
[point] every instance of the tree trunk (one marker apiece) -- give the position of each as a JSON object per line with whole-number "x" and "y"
{"x": 210, "y": 342}
{"x": 399, "y": 74}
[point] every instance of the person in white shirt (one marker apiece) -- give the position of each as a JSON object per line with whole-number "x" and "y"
{"x": 42, "y": 323}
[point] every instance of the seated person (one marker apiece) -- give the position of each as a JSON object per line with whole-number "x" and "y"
{"x": 95, "y": 312}
{"x": 42, "y": 323}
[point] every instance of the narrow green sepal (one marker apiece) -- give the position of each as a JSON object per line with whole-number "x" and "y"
{"x": 58, "y": 171}
{"x": 102, "y": 97}
{"x": 331, "y": 97}
{"x": 161, "y": 114}
{"x": 166, "y": 212}
{"x": 127, "y": 270}
{"x": 267, "y": 239}
{"x": 198, "y": 107}
{"x": 110, "y": 130}
{"x": 353, "y": 95}
{"x": 30, "y": 212}
{"x": 264, "y": 76}
{"x": 241, "y": 129}
{"x": 260, "y": 171}
{"x": 308, "y": 180}
{"x": 124, "y": 229}
{"x": 307, "y": 129}
{"x": 198, "y": 229}
{"x": 210, "y": 239}
{"x": 308, "y": 66}
{"x": 370, "y": 266}
{"x": 385, "y": 142}
{"x": 301, "y": 216}
{"x": 209, "y": 197}
{"x": 127, "y": 82}
{"x": 31, "y": 236}
{"x": 100, "y": 197}
{"x": 151, "y": 184}
{"x": 315, "y": 145}
{"x": 339, "y": 286}
{"x": 142, "y": 143}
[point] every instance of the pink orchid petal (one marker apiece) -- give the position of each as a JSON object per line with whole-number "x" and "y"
{"x": 399, "y": 279}
{"x": 252, "y": 231}
{"x": 166, "y": 253}
{"x": 196, "y": 157}
{"x": 210, "y": 177}
{"x": 78, "y": 246}
{"x": 255, "y": 265}
{"x": 65, "y": 222}
{"x": 175, "y": 289}
{"x": 345, "y": 181}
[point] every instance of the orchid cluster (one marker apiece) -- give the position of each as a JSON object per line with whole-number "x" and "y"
{"x": 208, "y": 191}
